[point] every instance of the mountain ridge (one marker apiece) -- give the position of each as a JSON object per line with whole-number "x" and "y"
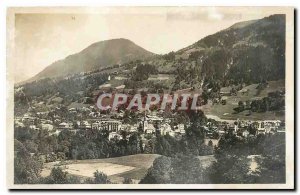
{"x": 97, "y": 55}
{"x": 236, "y": 52}
{"x": 246, "y": 52}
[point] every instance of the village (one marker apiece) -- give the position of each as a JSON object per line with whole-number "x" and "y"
{"x": 146, "y": 123}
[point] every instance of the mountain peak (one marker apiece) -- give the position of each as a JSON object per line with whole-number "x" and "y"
{"x": 98, "y": 55}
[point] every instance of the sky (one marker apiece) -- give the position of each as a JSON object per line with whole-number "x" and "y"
{"x": 43, "y": 36}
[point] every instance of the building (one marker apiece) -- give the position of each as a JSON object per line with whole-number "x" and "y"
{"x": 133, "y": 128}
{"x": 154, "y": 118}
{"x": 165, "y": 129}
{"x": 84, "y": 125}
{"x": 245, "y": 133}
{"x": 179, "y": 129}
{"x": 221, "y": 133}
{"x": 109, "y": 125}
{"x": 114, "y": 135}
{"x": 65, "y": 126}
{"x": 120, "y": 78}
{"x": 149, "y": 128}
{"x": 47, "y": 127}
{"x": 28, "y": 119}
{"x": 268, "y": 126}
{"x": 105, "y": 86}
{"x": 243, "y": 91}
{"x": 159, "y": 77}
{"x": 120, "y": 87}
{"x": 225, "y": 91}
{"x": 33, "y": 127}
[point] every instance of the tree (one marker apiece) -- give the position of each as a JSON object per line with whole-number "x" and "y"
{"x": 233, "y": 164}
{"x": 57, "y": 176}
{"x": 223, "y": 102}
{"x": 241, "y": 106}
{"x": 160, "y": 172}
{"x": 195, "y": 133}
{"x": 127, "y": 181}
{"x": 180, "y": 169}
{"x": 169, "y": 56}
{"x": 231, "y": 169}
{"x": 100, "y": 178}
{"x": 187, "y": 169}
{"x": 210, "y": 143}
{"x": 27, "y": 168}
{"x": 271, "y": 169}
{"x": 252, "y": 130}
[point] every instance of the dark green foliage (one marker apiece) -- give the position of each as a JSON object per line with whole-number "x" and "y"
{"x": 142, "y": 72}
{"x": 249, "y": 54}
{"x": 170, "y": 56}
{"x": 67, "y": 88}
{"x": 180, "y": 169}
{"x": 240, "y": 107}
{"x": 57, "y": 176}
{"x": 223, "y": 102}
{"x": 195, "y": 55}
{"x": 271, "y": 169}
{"x": 100, "y": 178}
{"x": 127, "y": 181}
{"x": 27, "y": 168}
{"x": 233, "y": 162}
{"x": 210, "y": 143}
{"x": 231, "y": 169}
{"x": 275, "y": 101}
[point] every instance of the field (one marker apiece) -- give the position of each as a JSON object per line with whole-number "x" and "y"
{"x": 227, "y": 112}
{"x": 133, "y": 166}
{"x": 88, "y": 169}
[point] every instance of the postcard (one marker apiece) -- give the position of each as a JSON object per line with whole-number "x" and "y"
{"x": 150, "y": 98}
